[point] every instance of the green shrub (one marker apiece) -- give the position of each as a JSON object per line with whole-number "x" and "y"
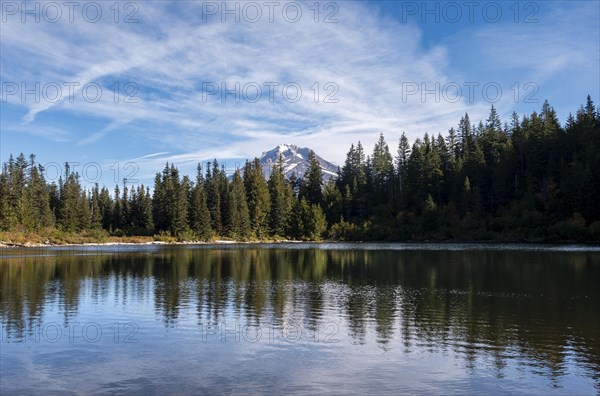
{"x": 187, "y": 236}
{"x": 164, "y": 236}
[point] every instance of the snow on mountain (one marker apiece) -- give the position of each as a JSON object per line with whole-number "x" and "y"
{"x": 295, "y": 160}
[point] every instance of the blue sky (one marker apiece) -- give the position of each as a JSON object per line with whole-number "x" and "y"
{"x": 154, "y": 74}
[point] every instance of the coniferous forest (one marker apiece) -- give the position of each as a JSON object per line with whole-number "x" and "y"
{"x": 527, "y": 179}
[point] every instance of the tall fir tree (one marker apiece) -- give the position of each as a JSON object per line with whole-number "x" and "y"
{"x": 213, "y": 196}
{"x": 39, "y": 214}
{"x": 96, "y": 213}
{"x": 281, "y": 196}
{"x": 257, "y": 193}
{"x": 199, "y": 213}
{"x": 382, "y": 171}
{"x": 312, "y": 184}
{"x": 238, "y": 219}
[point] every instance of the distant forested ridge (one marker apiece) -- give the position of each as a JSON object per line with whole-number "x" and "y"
{"x": 530, "y": 178}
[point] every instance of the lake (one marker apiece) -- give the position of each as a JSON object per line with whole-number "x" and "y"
{"x": 300, "y": 318}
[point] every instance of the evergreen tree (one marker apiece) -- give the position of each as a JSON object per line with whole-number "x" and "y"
{"x": 382, "y": 171}
{"x": 452, "y": 144}
{"x": 96, "y": 213}
{"x": 38, "y": 212}
{"x": 159, "y": 200}
{"x": 6, "y": 222}
{"x": 402, "y": 157}
{"x": 117, "y": 214}
{"x": 17, "y": 181}
{"x": 308, "y": 221}
{"x": 70, "y": 203}
{"x": 312, "y": 185}
{"x": 223, "y": 183}
{"x": 199, "y": 214}
{"x": 281, "y": 195}
{"x": 213, "y": 197}
{"x": 257, "y": 193}
{"x": 179, "y": 220}
{"x": 105, "y": 204}
{"x": 332, "y": 202}
{"x": 147, "y": 220}
{"x": 238, "y": 221}
{"x": 125, "y": 215}
{"x": 84, "y": 212}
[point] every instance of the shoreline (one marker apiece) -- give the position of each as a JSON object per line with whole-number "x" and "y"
{"x": 10, "y": 245}
{"x": 224, "y": 242}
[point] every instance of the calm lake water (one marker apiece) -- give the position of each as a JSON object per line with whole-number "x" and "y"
{"x": 301, "y": 318}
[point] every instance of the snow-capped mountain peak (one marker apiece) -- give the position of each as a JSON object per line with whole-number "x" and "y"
{"x": 295, "y": 160}
{"x": 282, "y": 148}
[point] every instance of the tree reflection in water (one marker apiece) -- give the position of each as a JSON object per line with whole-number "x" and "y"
{"x": 532, "y": 305}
